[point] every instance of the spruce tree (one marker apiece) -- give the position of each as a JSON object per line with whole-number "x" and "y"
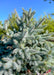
{"x": 28, "y": 51}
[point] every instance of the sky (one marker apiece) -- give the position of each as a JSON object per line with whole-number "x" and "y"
{"x": 41, "y": 7}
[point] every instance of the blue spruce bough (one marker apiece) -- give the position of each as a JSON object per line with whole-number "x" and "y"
{"x": 29, "y": 48}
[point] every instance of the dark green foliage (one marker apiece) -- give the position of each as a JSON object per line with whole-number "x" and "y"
{"x": 49, "y": 0}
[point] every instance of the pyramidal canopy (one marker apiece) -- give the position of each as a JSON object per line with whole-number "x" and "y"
{"x": 28, "y": 51}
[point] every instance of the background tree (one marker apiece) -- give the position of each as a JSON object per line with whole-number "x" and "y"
{"x": 50, "y": 24}
{"x": 49, "y": 0}
{"x": 2, "y": 31}
{"x": 12, "y": 21}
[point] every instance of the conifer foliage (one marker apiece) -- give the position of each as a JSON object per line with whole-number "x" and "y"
{"x": 50, "y": 1}
{"x": 27, "y": 51}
